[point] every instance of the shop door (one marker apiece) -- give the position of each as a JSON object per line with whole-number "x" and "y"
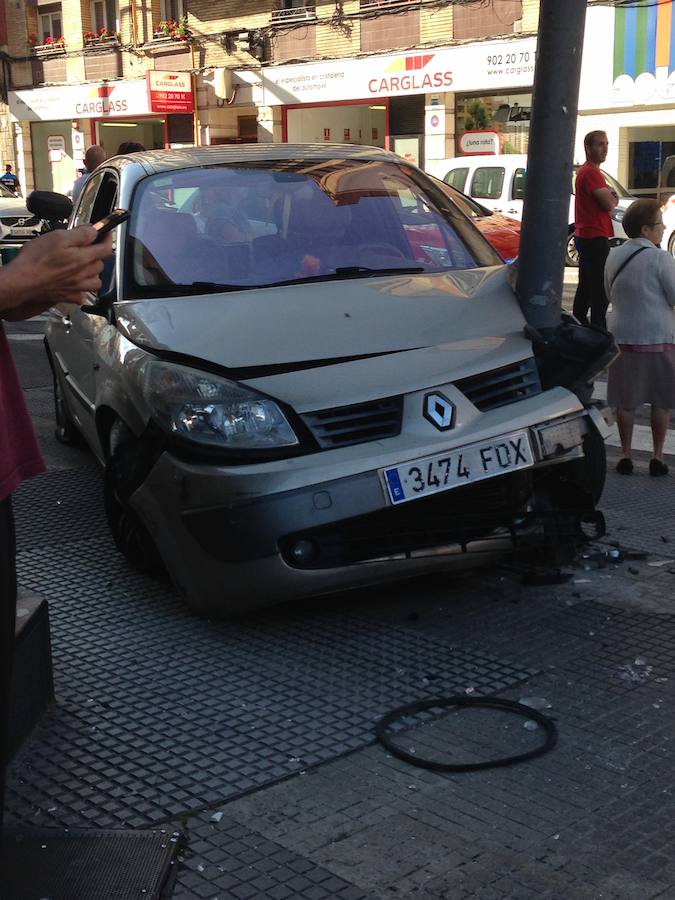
{"x": 53, "y": 161}
{"x": 148, "y": 132}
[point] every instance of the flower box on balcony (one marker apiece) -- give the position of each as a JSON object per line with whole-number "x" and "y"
{"x": 170, "y": 31}
{"x": 51, "y": 48}
{"x": 103, "y": 40}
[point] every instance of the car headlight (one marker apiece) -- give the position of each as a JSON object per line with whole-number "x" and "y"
{"x": 617, "y": 214}
{"x": 211, "y": 410}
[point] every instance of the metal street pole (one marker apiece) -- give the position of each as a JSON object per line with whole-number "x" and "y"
{"x": 549, "y": 163}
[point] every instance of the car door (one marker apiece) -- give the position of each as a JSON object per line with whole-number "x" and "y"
{"x": 75, "y": 333}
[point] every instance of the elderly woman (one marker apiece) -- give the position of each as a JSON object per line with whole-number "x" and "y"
{"x": 640, "y": 284}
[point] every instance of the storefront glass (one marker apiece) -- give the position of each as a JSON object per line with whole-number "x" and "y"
{"x": 507, "y": 114}
{"x": 651, "y": 162}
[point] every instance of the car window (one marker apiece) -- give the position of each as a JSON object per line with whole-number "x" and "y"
{"x": 518, "y": 185}
{"x": 457, "y": 178}
{"x": 487, "y": 183}
{"x": 83, "y": 209}
{"x": 262, "y": 224}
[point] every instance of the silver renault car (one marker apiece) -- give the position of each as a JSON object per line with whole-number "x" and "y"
{"x": 306, "y": 371}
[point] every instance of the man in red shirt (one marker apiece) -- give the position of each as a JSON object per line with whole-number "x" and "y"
{"x": 59, "y": 267}
{"x": 593, "y": 202}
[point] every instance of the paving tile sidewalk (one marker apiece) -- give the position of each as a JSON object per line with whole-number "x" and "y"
{"x": 254, "y": 739}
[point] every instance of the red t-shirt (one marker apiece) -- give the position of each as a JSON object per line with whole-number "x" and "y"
{"x": 589, "y": 220}
{"x": 19, "y": 454}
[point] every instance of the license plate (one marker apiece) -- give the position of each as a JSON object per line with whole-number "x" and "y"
{"x": 22, "y": 232}
{"x": 464, "y": 465}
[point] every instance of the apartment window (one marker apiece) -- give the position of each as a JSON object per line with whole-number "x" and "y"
{"x": 50, "y": 22}
{"x": 104, "y": 14}
{"x": 171, "y": 10}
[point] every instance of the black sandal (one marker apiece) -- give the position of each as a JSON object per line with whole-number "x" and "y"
{"x": 625, "y": 466}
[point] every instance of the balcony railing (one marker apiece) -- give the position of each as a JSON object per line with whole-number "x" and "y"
{"x": 294, "y": 14}
{"x": 383, "y": 4}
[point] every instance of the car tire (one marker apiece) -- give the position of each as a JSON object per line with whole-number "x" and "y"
{"x": 131, "y": 537}
{"x": 571, "y": 252}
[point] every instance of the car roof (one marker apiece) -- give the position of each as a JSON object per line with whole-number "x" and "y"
{"x": 154, "y": 161}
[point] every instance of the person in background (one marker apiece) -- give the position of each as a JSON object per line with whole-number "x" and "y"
{"x": 59, "y": 267}
{"x": 593, "y": 202}
{"x": 130, "y": 147}
{"x": 93, "y": 158}
{"x": 10, "y": 180}
{"x": 640, "y": 283}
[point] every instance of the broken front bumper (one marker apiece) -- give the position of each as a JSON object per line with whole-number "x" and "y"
{"x": 229, "y": 549}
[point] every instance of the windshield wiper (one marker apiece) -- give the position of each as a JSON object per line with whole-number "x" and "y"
{"x": 182, "y": 290}
{"x": 350, "y": 272}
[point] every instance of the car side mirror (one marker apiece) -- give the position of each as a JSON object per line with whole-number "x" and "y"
{"x": 102, "y": 306}
{"x": 49, "y": 205}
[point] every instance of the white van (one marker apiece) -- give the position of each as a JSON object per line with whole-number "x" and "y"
{"x": 498, "y": 182}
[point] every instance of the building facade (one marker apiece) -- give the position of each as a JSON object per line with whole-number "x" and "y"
{"x": 407, "y": 74}
{"x": 426, "y": 78}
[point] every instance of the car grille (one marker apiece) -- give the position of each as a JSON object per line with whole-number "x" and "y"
{"x": 452, "y": 517}
{"x": 498, "y": 387}
{"x": 356, "y": 424}
{"x": 21, "y": 221}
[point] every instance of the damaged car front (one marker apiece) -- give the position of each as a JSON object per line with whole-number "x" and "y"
{"x": 312, "y": 374}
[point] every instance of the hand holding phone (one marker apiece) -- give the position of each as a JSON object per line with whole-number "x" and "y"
{"x": 115, "y": 218}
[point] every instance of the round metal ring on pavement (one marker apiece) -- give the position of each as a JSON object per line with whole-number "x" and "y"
{"x": 509, "y": 706}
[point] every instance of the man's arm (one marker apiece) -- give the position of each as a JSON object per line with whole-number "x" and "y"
{"x": 606, "y": 198}
{"x": 59, "y": 267}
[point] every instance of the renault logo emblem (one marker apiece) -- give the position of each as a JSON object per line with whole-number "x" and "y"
{"x": 439, "y": 411}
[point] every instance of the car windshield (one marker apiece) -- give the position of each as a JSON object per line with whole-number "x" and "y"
{"x": 231, "y": 227}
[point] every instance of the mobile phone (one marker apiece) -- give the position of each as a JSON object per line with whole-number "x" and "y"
{"x": 103, "y": 226}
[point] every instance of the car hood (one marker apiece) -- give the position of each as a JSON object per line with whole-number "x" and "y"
{"x": 299, "y": 326}
{"x": 11, "y": 207}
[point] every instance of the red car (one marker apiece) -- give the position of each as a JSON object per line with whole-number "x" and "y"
{"x": 501, "y": 231}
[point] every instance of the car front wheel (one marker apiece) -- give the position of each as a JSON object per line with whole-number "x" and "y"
{"x": 131, "y": 537}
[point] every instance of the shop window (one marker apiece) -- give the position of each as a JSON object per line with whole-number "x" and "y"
{"x": 456, "y": 178}
{"x": 488, "y": 182}
{"x": 181, "y": 129}
{"x": 247, "y": 129}
{"x": 507, "y": 114}
{"x": 104, "y": 14}
{"x": 652, "y": 168}
{"x": 50, "y": 22}
{"x": 171, "y": 10}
